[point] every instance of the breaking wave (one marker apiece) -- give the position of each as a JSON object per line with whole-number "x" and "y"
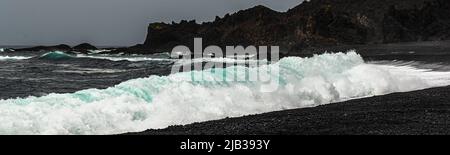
{"x": 160, "y": 101}
{"x": 123, "y": 58}
{"x": 56, "y": 55}
{"x": 59, "y": 55}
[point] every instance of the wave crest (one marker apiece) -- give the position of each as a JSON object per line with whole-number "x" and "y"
{"x": 56, "y": 55}
{"x": 160, "y": 101}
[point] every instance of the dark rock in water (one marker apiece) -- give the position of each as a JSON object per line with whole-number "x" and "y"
{"x": 82, "y": 48}
{"x": 61, "y": 47}
{"x": 311, "y": 24}
{"x": 85, "y": 46}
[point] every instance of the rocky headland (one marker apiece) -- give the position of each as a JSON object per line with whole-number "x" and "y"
{"x": 318, "y": 23}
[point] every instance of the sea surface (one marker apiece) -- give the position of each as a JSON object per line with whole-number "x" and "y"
{"x": 52, "y": 92}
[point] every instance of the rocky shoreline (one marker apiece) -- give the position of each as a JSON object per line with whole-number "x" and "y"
{"x": 423, "y": 112}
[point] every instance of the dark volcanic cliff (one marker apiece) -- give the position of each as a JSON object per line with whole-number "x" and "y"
{"x": 312, "y": 24}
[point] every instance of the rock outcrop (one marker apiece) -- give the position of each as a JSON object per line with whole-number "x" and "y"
{"x": 317, "y": 23}
{"x": 61, "y": 47}
{"x": 85, "y": 46}
{"x": 82, "y": 48}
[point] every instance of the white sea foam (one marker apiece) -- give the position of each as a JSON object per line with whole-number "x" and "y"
{"x": 160, "y": 101}
{"x": 99, "y": 51}
{"x": 123, "y": 58}
{"x": 58, "y": 55}
{"x": 6, "y": 50}
{"x": 13, "y": 58}
{"x": 226, "y": 60}
{"x": 179, "y": 61}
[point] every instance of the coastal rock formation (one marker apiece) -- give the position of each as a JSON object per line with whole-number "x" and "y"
{"x": 85, "y": 46}
{"x": 82, "y": 48}
{"x": 318, "y": 23}
{"x": 61, "y": 47}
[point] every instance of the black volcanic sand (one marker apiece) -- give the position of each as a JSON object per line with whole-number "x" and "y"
{"x": 410, "y": 113}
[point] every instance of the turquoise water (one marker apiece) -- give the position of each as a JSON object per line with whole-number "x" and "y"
{"x": 187, "y": 97}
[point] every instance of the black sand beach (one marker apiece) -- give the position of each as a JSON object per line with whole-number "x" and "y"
{"x": 330, "y": 50}
{"x": 424, "y": 112}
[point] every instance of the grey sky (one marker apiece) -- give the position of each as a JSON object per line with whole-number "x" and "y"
{"x": 106, "y": 22}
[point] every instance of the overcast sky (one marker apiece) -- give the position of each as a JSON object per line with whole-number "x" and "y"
{"x": 106, "y": 22}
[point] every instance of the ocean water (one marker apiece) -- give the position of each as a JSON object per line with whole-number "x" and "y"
{"x": 59, "y": 93}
